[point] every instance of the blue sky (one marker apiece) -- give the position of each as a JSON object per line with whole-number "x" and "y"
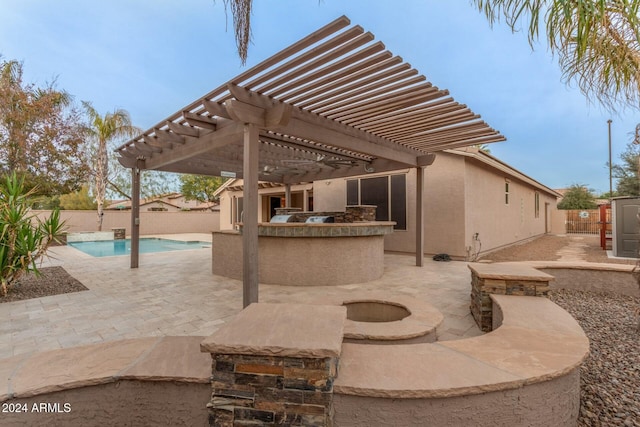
{"x": 152, "y": 57}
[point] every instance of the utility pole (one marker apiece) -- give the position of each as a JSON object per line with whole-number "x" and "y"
{"x": 610, "y": 175}
{"x": 636, "y": 140}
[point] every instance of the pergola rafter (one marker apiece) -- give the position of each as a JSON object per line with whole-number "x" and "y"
{"x": 336, "y": 96}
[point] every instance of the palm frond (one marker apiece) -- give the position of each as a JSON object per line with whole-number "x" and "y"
{"x": 597, "y": 42}
{"x": 241, "y": 12}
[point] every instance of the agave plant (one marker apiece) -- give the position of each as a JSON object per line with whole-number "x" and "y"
{"x": 24, "y": 238}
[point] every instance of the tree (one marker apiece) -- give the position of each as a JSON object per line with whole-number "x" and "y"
{"x": 578, "y": 196}
{"x": 104, "y": 129}
{"x": 626, "y": 173}
{"x": 23, "y": 237}
{"x": 78, "y": 200}
{"x": 597, "y": 42}
{"x": 200, "y": 187}
{"x": 152, "y": 183}
{"x": 41, "y": 134}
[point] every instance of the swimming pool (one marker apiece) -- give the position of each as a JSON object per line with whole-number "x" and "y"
{"x": 123, "y": 247}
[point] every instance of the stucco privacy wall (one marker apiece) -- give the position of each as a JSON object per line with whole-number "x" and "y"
{"x": 120, "y": 403}
{"x": 150, "y": 222}
{"x": 538, "y": 402}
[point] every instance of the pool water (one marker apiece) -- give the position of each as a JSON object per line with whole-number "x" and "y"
{"x": 123, "y": 247}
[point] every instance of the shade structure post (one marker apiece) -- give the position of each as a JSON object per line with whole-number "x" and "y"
{"x": 419, "y": 217}
{"x": 287, "y": 195}
{"x": 250, "y": 216}
{"x": 135, "y": 214}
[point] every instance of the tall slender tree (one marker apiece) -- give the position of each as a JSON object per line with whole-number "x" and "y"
{"x": 104, "y": 129}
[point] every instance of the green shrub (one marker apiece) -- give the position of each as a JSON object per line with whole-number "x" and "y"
{"x": 24, "y": 238}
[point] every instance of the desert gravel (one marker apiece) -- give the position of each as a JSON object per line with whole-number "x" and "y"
{"x": 610, "y": 376}
{"x": 51, "y": 281}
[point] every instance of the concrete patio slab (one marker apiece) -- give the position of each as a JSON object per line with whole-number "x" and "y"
{"x": 175, "y": 293}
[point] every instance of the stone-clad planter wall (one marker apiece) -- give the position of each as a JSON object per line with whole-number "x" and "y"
{"x": 502, "y": 279}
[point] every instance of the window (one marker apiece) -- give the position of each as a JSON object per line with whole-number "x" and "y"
{"x": 506, "y": 192}
{"x": 536, "y": 203}
{"x": 388, "y": 193}
{"x": 236, "y": 210}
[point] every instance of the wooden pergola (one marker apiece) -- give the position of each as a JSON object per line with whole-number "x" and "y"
{"x": 334, "y": 104}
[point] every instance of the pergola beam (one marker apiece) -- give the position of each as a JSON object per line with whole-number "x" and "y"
{"x": 196, "y": 146}
{"x": 305, "y": 125}
{"x": 183, "y": 130}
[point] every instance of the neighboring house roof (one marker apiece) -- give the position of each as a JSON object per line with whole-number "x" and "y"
{"x": 127, "y": 204}
{"x": 495, "y": 163}
{"x": 225, "y": 186}
{"x": 175, "y": 203}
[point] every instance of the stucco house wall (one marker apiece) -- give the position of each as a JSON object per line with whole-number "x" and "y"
{"x": 497, "y": 222}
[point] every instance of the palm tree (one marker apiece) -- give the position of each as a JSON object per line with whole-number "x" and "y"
{"x": 104, "y": 129}
{"x": 597, "y": 42}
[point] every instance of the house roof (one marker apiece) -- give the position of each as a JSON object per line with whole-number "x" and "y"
{"x": 334, "y": 104}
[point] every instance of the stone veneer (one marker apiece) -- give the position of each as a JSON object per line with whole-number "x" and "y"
{"x": 357, "y": 213}
{"x": 119, "y": 233}
{"x": 354, "y": 213}
{"x": 89, "y": 236}
{"x": 294, "y": 229}
{"x": 269, "y": 370}
{"x": 502, "y": 279}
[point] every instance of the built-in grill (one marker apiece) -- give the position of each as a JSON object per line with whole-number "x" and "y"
{"x": 320, "y": 219}
{"x": 281, "y": 219}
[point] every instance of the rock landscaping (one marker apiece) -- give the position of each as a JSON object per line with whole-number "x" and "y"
{"x": 610, "y": 376}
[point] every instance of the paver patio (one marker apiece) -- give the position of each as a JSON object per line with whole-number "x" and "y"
{"x": 175, "y": 293}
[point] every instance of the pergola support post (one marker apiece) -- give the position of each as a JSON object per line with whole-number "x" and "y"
{"x": 419, "y": 216}
{"x": 250, "y": 216}
{"x": 305, "y": 200}
{"x": 135, "y": 214}
{"x": 287, "y": 195}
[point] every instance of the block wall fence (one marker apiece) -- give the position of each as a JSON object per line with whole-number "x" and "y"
{"x": 150, "y": 222}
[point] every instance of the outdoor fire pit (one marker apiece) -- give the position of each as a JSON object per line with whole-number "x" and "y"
{"x": 375, "y": 311}
{"x": 380, "y": 318}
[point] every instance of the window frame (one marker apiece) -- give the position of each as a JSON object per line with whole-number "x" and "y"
{"x": 355, "y": 184}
